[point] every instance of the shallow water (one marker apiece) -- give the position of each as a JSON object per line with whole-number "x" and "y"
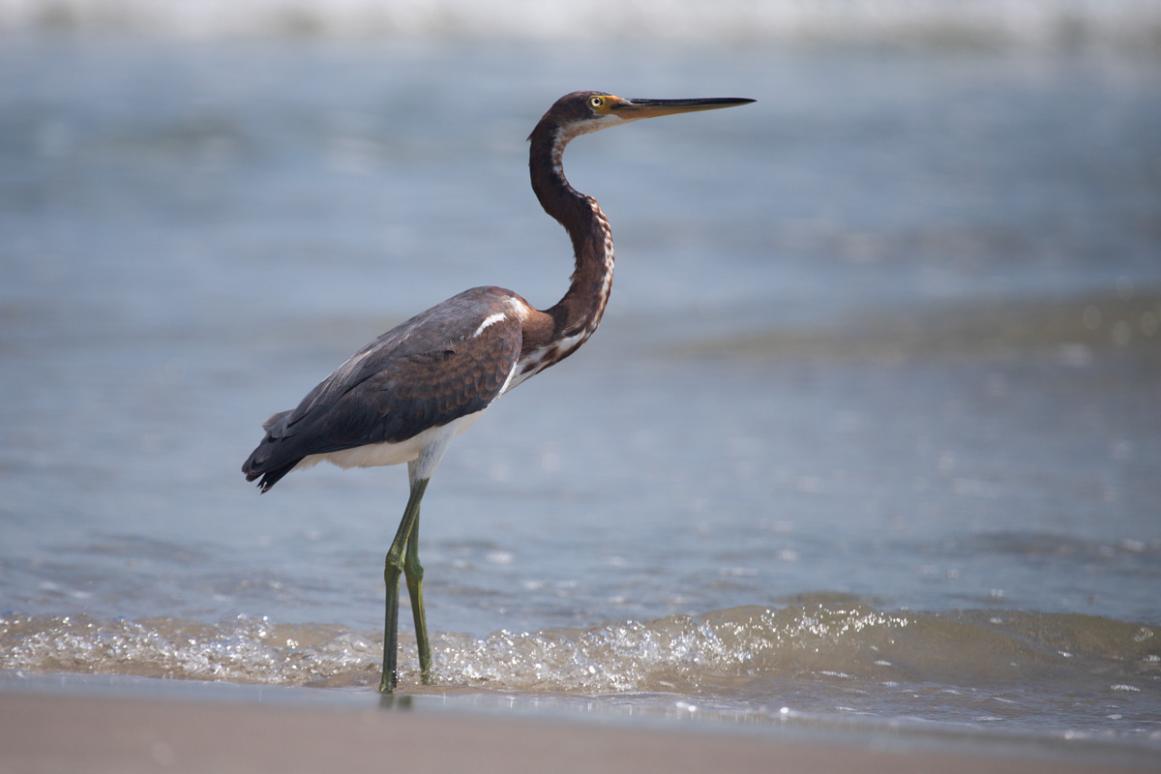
{"x": 871, "y": 428}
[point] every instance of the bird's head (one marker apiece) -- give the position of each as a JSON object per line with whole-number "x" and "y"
{"x": 588, "y": 111}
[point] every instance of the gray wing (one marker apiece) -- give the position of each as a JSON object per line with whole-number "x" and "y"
{"x": 436, "y": 367}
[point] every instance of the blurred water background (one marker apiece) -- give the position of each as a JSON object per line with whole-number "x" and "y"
{"x": 871, "y": 429}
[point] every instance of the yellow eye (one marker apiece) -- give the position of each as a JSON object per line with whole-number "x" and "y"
{"x": 597, "y": 101}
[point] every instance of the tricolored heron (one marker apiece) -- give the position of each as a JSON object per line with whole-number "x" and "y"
{"x": 403, "y": 397}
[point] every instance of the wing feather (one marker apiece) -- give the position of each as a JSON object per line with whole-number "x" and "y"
{"x": 438, "y": 366}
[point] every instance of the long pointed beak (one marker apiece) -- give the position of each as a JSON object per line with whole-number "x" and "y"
{"x": 632, "y": 109}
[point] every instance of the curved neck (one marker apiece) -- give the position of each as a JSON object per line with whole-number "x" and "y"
{"x": 577, "y": 314}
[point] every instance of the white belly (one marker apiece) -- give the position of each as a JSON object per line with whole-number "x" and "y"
{"x": 376, "y": 454}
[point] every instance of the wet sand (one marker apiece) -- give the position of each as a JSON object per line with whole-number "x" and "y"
{"x": 40, "y": 733}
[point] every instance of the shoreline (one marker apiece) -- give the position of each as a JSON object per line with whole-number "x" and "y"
{"x": 226, "y": 728}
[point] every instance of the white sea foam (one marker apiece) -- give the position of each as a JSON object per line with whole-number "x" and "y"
{"x": 822, "y": 652}
{"x": 1019, "y": 22}
{"x": 726, "y": 650}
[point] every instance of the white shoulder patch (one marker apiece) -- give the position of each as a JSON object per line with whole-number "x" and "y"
{"x": 489, "y": 321}
{"x": 519, "y": 308}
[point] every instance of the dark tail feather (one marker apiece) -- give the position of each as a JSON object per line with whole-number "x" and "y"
{"x": 269, "y": 463}
{"x": 271, "y": 477}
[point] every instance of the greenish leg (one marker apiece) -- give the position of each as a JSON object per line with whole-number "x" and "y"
{"x": 393, "y": 566}
{"x": 414, "y": 572}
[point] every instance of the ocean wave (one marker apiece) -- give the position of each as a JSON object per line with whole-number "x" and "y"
{"x": 983, "y": 22}
{"x": 738, "y": 651}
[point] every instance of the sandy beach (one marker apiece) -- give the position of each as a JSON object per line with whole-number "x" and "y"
{"x": 41, "y": 733}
